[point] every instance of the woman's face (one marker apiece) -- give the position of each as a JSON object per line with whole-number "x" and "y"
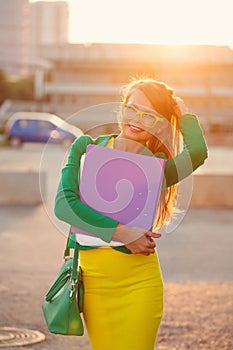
{"x": 133, "y": 128}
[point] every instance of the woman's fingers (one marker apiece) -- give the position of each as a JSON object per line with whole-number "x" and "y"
{"x": 149, "y": 251}
{"x": 153, "y": 234}
{"x": 145, "y": 244}
{"x": 148, "y": 246}
{"x": 150, "y": 243}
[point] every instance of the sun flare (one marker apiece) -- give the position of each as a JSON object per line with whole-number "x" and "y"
{"x": 166, "y": 22}
{"x": 159, "y": 22}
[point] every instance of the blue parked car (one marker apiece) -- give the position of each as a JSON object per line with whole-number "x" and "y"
{"x": 39, "y": 127}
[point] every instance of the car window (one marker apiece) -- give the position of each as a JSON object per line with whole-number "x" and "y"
{"x": 24, "y": 124}
{"x": 42, "y": 124}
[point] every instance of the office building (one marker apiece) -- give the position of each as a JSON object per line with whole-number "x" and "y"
{"x": 49, "y": 24}
{"x": 14, "y": 36}
{"x": 24, "y": 27}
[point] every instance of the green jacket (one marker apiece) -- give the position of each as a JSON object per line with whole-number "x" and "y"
{"x": 68, "y": 206}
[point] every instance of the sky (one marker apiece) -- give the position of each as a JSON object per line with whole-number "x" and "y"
{"x": 174, "y": 22}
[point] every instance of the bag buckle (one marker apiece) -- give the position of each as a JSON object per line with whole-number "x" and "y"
{"x": 73, "y": 288}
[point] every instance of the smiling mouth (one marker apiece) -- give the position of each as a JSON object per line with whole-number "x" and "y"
{"x": 135, "y": 128}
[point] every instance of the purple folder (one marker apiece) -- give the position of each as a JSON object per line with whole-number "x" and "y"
{"x": 122, "y": 185}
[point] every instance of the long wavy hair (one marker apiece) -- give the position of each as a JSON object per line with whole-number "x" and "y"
{"x": 163, "y": 100}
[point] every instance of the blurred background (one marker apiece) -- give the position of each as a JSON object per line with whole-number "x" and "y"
{"x": 64, "y": 57}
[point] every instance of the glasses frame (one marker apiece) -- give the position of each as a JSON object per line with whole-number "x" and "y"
{"x": 157, "y": 118}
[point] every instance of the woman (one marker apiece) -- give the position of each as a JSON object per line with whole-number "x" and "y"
{"x": 124, "y": 292}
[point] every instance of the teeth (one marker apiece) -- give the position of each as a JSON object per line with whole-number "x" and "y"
{"x": 135, "y": 128}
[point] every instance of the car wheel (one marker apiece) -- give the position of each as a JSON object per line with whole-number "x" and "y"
{"x": 15, "y": 142}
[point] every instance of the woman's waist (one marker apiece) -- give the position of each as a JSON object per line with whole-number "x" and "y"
{"x": 108, "y": 261}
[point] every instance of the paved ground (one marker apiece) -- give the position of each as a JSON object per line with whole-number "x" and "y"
{"x": 197, "y": 265}
{"x": 196, "y": 262}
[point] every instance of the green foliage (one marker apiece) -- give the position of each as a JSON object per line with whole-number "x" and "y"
{"x": 22, "y": 89}
{"x": 4, "y": 87}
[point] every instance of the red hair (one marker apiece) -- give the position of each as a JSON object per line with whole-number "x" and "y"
{"x": 163, "y": 100}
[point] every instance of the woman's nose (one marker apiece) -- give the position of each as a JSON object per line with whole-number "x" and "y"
{"x": 137, "y": 117}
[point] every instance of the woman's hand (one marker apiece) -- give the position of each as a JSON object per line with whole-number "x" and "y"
{"x": 137, "y": 240}
{"x": 181, "y": 107}
{"x": 144, "y": 245}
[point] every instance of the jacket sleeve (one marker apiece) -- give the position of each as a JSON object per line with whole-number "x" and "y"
{"x": 194, "y": 152}
{"x": 68, "y": 206}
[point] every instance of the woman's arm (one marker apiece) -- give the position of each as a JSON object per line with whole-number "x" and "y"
{"x": 68, "y": 206}
{"x": 193, "y": 155}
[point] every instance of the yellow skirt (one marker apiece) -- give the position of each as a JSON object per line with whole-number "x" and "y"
{"x": 123, "y": 300}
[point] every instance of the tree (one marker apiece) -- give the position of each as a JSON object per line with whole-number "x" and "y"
{"x": 4, "y": 87}
{"x": 22, "y": 89}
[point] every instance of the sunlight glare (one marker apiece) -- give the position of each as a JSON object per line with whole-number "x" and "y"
{"x": 160, "y": 22}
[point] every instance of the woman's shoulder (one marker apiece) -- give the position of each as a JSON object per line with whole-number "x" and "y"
{"x": 103, "y": 139}
{"x": 160, "y": 155}
{"x": 80, "y": 144}
{"x": 83, "y": 139}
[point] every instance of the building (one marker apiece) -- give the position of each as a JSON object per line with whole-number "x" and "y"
{"x": 24, "y": 27}
{"x": 14, "y": 36}
{"x": 48, "y": 24}
{"x": 86, "y": 75}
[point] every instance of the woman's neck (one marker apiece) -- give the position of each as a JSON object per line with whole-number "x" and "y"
{"x": 128, "y": 145}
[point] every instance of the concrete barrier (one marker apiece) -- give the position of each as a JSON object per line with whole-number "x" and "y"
{"x": 212, "y": 190}
{"x": 21, "y": 187}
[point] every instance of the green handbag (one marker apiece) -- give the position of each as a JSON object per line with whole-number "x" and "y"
{"x": 64, "y": 300}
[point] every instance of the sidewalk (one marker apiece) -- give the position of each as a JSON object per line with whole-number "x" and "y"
{"x": 196, "y": 261}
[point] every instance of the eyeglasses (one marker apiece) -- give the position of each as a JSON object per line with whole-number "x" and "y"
{"x": 146, "y": 118}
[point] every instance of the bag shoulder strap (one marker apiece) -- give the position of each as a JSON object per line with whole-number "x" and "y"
{"x": 72, "y": 244}
{"x": 75, "y": 262}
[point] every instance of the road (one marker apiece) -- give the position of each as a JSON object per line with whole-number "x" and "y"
{"x": 200, "y": 246}
{"x": 196, "y": 261}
